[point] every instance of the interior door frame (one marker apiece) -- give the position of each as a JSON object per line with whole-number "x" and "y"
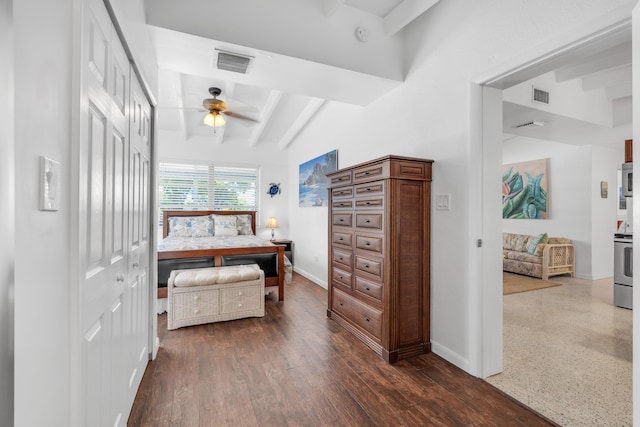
{"x": 485, "y": 320}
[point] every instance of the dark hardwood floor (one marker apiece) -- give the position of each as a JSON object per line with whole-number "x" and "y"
{"x": 295, "y": 367}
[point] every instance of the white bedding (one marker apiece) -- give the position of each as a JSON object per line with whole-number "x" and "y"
{"x": 219, "y": 242}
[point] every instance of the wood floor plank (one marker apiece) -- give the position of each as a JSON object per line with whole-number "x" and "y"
{"x": 296, "y": 367}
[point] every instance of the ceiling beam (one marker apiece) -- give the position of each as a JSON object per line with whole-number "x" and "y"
{"x": 404, "y": 13}
{"x": 615, "y": 58}
{"x": 300, "y": 122}
{"x": 607, "y": 78}
{"x": 619, "y": 91}
{"x": 268, "y": 109}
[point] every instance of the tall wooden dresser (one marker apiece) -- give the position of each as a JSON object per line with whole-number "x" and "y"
{"x": 379, "y": 254}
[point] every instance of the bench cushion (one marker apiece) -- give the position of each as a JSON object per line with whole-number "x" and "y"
{"x": 216, "y": 275}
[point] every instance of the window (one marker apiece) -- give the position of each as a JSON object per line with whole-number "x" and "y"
{"x": 207, "y": 187}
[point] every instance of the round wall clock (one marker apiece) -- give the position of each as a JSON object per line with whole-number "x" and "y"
{"x": 274, "y": 189}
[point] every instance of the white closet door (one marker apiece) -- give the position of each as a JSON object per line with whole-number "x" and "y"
{"x": 113, "y": 214}
{"x": 138, "y": 242}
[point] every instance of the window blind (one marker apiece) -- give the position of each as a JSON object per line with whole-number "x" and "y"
{"x": 206, "y": 187}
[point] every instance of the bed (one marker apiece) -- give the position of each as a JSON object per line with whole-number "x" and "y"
{"x": 196, "y": 239}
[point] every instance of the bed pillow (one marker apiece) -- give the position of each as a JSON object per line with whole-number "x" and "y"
{"x": 244, "y": 225}
{"x": 225, "y": 225}
{"x": 201, "y": 226}
{"x": 533, "y": 243}
{"x": 180, "y": 226}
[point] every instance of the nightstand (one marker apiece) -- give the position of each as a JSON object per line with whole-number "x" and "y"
{"x": 288, "y": 247}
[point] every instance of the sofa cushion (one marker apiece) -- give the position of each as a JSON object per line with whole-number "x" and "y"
{"x": 522, "y": 256}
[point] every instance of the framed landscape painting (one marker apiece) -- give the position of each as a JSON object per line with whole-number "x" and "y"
{"x": 312, "y": 180}
{"x": 525, "y": 190}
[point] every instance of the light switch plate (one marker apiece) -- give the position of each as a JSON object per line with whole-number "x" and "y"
{"x": 49, "y": 184}
{"x": 443, "y": 202}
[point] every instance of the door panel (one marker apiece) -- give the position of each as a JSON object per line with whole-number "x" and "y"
{"x": 113, "y": 201}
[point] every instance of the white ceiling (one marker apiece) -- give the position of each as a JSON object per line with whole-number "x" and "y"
{"x": 603, "y": 66}
{"x": 282, "y": 93}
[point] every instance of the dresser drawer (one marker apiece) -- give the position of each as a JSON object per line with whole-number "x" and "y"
{"x": 370, "y": 188}
{"x": 341, "y": 178}
{"x": 341, "y": 276}
{"x": 342, "y": 258}
{"x": 342, "y": 238}
{"x": 369, "y": 265}
{"x": 369, "y": 243}
{"x": 342, "y": 219}
{"x": 358, "y": 313}
{"x": 367, "y": 173}
{"x": 366, "y": 287}
{"x": 370, "y": 202}
{"x": 369, "y": 220}
{"x": 341, "y": 204}
{"x": 242, "y": 298}
{"x": 342, "y": 192}
{"x": 190, "y": 305}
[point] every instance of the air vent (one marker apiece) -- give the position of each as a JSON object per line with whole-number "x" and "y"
{"x": 541, "y": 96}
{"x": 233, "y": 62}
{"x": 531, "y": 124}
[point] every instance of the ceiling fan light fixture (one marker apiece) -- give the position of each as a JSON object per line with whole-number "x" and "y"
{"x": 214, "y": 119}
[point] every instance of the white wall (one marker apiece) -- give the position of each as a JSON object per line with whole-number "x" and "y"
{"x": 7, "y": 214}
{"x": 273, "y": 168}
{"x": 44, "y": 81}
{"x": 575, "y": 208}
{"x": 428, "y": 116}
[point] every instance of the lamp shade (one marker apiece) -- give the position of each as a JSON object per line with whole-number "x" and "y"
{"x": 272, "y": 223}
{"x": 214, "y": 119}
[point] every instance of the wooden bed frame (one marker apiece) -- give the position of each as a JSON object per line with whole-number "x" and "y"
{"x": 217, "y": 254}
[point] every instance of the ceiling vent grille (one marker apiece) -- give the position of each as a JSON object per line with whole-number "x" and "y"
{"x": 541, "y": 96}
{"x": 531, "y": 124}
{"x": 233, "y": 62}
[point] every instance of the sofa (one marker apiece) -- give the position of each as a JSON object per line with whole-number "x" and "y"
{"x": 537, "y": 256}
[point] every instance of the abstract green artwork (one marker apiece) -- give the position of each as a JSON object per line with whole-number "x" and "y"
{"x": 525, "y": 189}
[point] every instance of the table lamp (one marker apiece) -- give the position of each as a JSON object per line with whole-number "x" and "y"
{"x": 272, "y": 224}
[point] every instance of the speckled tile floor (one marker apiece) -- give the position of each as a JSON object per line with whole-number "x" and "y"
{"x": 567, "y": 353}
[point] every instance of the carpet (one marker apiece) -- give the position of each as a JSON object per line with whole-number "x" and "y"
{"x": 515, "y": 283}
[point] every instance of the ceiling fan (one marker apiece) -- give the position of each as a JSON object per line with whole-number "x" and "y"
{"x": 216, "y": 107}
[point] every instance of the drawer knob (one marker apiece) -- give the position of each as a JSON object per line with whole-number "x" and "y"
{"x": 368, "y": 221}
{"x": 340, "y": 258}
{"x": 366, "y": 266}
{"x": 366, "y": 173}
{"x": 366, "y": 319}
{"x": 367, "y": 244}
{"x": 368, "y": 189}
{"x": 340, "y": 239}
{"x": 341, "y": 219}
{"x": 340, "y": 277}
{"x": 367, "y": 203}
{"x": 367, "y": 288}
{"x": 340, "y": 304}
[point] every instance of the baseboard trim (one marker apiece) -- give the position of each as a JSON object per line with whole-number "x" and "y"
{"x": 311, "y": 277}
{"x": 451, "y": 356}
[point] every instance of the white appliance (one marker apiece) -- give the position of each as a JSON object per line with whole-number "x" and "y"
{"x": 623, "y": 271}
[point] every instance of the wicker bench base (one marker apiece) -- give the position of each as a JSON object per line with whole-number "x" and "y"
{"x": 197, "y": 305}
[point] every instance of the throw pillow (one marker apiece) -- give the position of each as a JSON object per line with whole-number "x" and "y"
{"x": 533, "y": 243}
{"x": 180, "y": 226}
{"x": 225, "y": 225}
{"x": 244, "y": 225}
{"x": 201, "y": 226}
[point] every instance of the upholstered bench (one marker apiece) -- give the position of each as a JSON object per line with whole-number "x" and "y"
{"x": 204, "y": 295}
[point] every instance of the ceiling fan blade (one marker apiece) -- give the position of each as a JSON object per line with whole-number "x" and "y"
{"x": 240, "y": 116}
